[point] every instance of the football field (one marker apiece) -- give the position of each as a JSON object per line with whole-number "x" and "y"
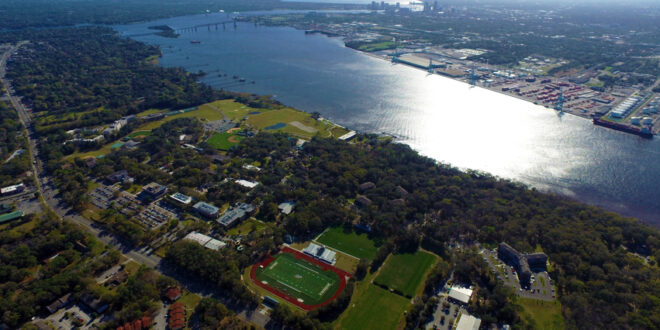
{"x": 300, "y": 279}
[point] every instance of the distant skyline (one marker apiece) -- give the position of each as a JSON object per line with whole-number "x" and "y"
{"x": 618, "y": 3}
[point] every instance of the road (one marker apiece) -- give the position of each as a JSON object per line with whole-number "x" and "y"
{"x": 49, "y": 193}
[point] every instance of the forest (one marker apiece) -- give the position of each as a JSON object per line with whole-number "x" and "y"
{"x": 20, "y": 14}
{"x": 603, "y": 264}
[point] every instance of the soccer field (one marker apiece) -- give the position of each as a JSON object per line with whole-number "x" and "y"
{"x": 300, "y": 279}
{"x": 406, "y": 272}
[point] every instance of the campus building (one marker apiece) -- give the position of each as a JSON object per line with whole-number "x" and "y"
{"x": 207, "y": 210}
{"x": 321, "y": 252}
{"x": 154, "y": 190}
{"x": 235, "y": 214}
{"x": 460, "y": 294}
{"x": 523, "y": 263}
{"x": 181, "y": 199}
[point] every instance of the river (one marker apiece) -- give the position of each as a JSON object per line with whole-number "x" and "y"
{"x": 450, "y": 121}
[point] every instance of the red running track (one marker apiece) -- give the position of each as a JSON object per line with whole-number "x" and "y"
{"x": 343, "y": 277}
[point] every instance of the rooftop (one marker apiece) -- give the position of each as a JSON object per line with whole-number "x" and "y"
{"x": 206, "y": 208}
{"x": 181, "y": 198}
{"x": 235, "y": 213}
{"x": 468, "y": 322}
{"x": 247, "y": 184}
{"x": 286, "y": 207}
{"x": 461, "y": 294}
{"x": 10, "y": 216}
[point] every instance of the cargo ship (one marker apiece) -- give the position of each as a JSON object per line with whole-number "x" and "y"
{"x": 622, "y": 128}
{"x": 195, "y": 42}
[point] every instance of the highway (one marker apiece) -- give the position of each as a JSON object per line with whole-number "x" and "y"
{"x": 50, "y": 199}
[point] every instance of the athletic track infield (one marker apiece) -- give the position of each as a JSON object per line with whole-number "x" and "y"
{"x": 343, "y": 277}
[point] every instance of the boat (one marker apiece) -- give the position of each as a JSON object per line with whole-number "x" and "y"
{"x": 195, "y": 42}
{"x": 622, "y": 128}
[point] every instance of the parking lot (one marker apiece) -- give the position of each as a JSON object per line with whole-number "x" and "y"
{"x": 542, "y": 286}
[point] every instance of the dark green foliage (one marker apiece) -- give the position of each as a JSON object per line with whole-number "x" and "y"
{"x": 22, "y": 294}
{"x": 212, "y": 266}
{"x": 93, "y": 70}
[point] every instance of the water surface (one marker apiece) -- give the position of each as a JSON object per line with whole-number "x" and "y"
{"x": 444, "y": 119}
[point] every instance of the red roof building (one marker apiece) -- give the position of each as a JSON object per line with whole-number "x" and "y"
{"x": 173, "y": 293}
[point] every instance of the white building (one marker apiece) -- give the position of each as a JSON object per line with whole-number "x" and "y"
{"x": 468, "y": 322}
{"x": 460, "y": 294}
{"x": 321, "y": 253}
{"x": 247, "y": 184}
{"x": 205, "y": 241}
{"x": 12, "y": 189}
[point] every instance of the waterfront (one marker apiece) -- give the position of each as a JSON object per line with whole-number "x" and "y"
{"x": 442, "y": 118}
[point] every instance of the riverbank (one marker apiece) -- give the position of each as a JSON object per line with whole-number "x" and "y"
{"x": 578, "y": 112}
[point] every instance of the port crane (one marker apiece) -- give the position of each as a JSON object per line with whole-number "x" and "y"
{"x": 431, "y": 66}
{"x": 473, "y": 77}
{"x": 559, "y": 104}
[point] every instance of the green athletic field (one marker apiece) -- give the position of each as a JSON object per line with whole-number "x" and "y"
{"x": 300, "y": 279}
{"x": 357, "y": 245}
{"x": 221, "y": 141}
{"x": 376, "y": 309}
{"x": 406, "y": 272}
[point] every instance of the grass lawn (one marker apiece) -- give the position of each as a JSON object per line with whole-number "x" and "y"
{"x": 190, "y": 300}
{"x": 205, "y": 113}
{"x": 406, "y": 272}
{"x": 139, "y": 133}
{"x": 545, "y": 314}
{"x": 247, "y": 227}
{"x": 131, "y": 267}
{"x": 375, "y": 309}
{"x": 358, "y": 245}
{"x": 299, "y": 278}
{"x": 221, "y": 141}
{"x": 297, "y": 123}
{"x": 372, "y": 47}
{"x": 234, "y": 110}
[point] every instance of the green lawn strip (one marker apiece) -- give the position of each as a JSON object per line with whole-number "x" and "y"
{"x": 545, "y": 314}
{"x": 406, "y": 272}
{"x": 375, "y": 309}
{"x": 357, "y": 245}
{"x": 221, "y": 140}
{"x": 300, "y": 279}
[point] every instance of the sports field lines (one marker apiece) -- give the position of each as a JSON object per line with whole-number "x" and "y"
{"x": 299, "y": 279}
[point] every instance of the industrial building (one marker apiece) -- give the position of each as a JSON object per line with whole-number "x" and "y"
{"x": 624, "y": 108}
{"x": 235, "y": 214}
{"x": 321, "y": 252}
{"x": 207, "y": 210}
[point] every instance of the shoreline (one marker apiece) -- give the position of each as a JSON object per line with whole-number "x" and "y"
{"x": 496, "y": 90}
